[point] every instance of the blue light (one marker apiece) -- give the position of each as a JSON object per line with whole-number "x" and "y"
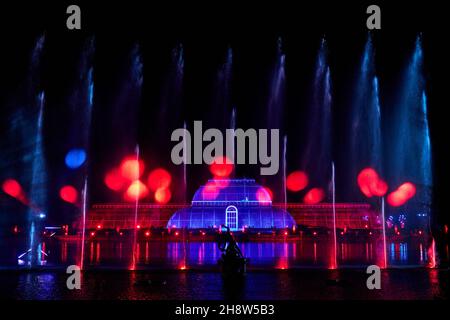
{"x": 42, "y": 215}
{"x": 75, "y": 158}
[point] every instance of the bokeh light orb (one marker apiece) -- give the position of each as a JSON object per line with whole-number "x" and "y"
{"x": 69, "y": 194}
{"x": 162, "y": 195}
{"x": 221, "y": 167}
{"x": 396, "y": 198}
{"x": 75, "y": 158}
{"x": 296, "y": 181}
{"x": 378, "y": 188}
{"x": 131, "y": 168}
{"x": 210, "y": 191}
{"x": 408, "y": 188}
{"x": 264, "y": 195}
{"x": 366, "y": 178}
{"x": 159, "y": 178}
{"x": 12, "y": 188}
{"x": 402, "y": 194}
{"x": 114, "y": 180}
{"x": 136, "y": 191}
{"x": 314, "y": 196}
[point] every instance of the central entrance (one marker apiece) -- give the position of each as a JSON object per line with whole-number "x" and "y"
{"x": 231, "y": 218}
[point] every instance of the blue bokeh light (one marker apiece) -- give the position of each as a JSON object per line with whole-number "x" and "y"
{"x": 75, "y": 158}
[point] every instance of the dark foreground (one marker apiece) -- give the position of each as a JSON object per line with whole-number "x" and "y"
{"x": 308, "y": 284}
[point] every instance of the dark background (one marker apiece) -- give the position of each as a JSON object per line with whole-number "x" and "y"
{"x": 206, "y": 31}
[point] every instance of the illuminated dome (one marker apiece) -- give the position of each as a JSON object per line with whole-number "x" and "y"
{"x": 236, "y": 203}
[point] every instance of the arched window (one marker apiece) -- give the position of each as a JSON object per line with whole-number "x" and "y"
{"x": 231, "y": 218}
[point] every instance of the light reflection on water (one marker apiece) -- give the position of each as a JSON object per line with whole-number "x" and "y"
{"x": 154, "y": 253}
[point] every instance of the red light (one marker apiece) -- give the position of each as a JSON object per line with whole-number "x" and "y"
{"x": 296, "y": 181}
{"x": 69, "y": 194}
{"x": 420, "y": 232}
{"x": 398, "y": 233}
{"x": 138, "y": 226}
{"x": 314, "y": 233}
{"x": 342, "y": 233}
{"x": 203, "y": 233}
{"x": 114, "y": 180}
{"x": 137, "y": 190}
{"x": 408, "y": 189}
{"x": 315, "y": 195}
{"x": 176, "y": 234}
{"x": 210, "y": 191}
{"x": 120, "y": 233}
{"x": 131, "y": 169}
{"x": 285, "y": 233}
{"x": 396, "y": 198}
{"x": 16, "y": 229}
{"x": 403, "y": 193}
{"x": 371, "y": 184}
{"x": 221, "y": 167}
{"x": 264, "y": 195}
{"x": 159, "y": 178}
{"x": 12, "y": 188}
{"x": 147, "y": 234}
{"x": 445, "y": 229}
{"x": 99, "y": 226}
{"x": 370, "y": 233}
{"x": 366, "y": 226}
{"x": 379, "y": 188}
{"x": 221, "y": 183}
{"x": 162, "y": 195}
{"x": 92, "y": 234}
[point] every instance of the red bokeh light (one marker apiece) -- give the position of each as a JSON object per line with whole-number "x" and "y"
{"x": 221, "y": 183}
{"x": 69, "y": 194}
{"x": 114, "y": 180}
{"x": 137, "y": 190}
{"x": 163, "y": 195}
{"x": 408, "y": 189}
{"x": 131, "y": 168}
{"x": 296, "y": 181}
{"x": 367, "y": 177}
{"x": 221, "y": 167}
{"x": 371, "y": 184}
{"x": 210, "y": 191}
{"x": 12, "y": 188}
{"x": 159, "y": 178}
{"x": 264, "y": 195}
{"x": 403, "y": 193}
{"x": 379, "y": 188}
{"x": 315, "y": 195}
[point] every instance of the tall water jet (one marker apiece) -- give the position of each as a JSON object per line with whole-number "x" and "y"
{"x": 284, "y": 171}
{"x": 222, "y": 104}
{"x": 80, "y": 105}
{"x": 365, "y": 131}
{"x": 410, "y": 148}
{"x": 277, "y": 90}
{"x": 232, "y": 146}
{"x": 124, "y": 110}
{"x": 170, "y": 103}
{"x": 24, "y": 153}
{"x": 383, "y": 220}
{"x": 84, "y": 208}
{"x": 334, "y": 264}
{"x": 316, "y": 158}
{"x": 275, "y": 110}
{"x": 38, "y": 185}
{"x": 135, "y": 225}
{"x": 184, "y": 164}
{"x": 169, "y": 116}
